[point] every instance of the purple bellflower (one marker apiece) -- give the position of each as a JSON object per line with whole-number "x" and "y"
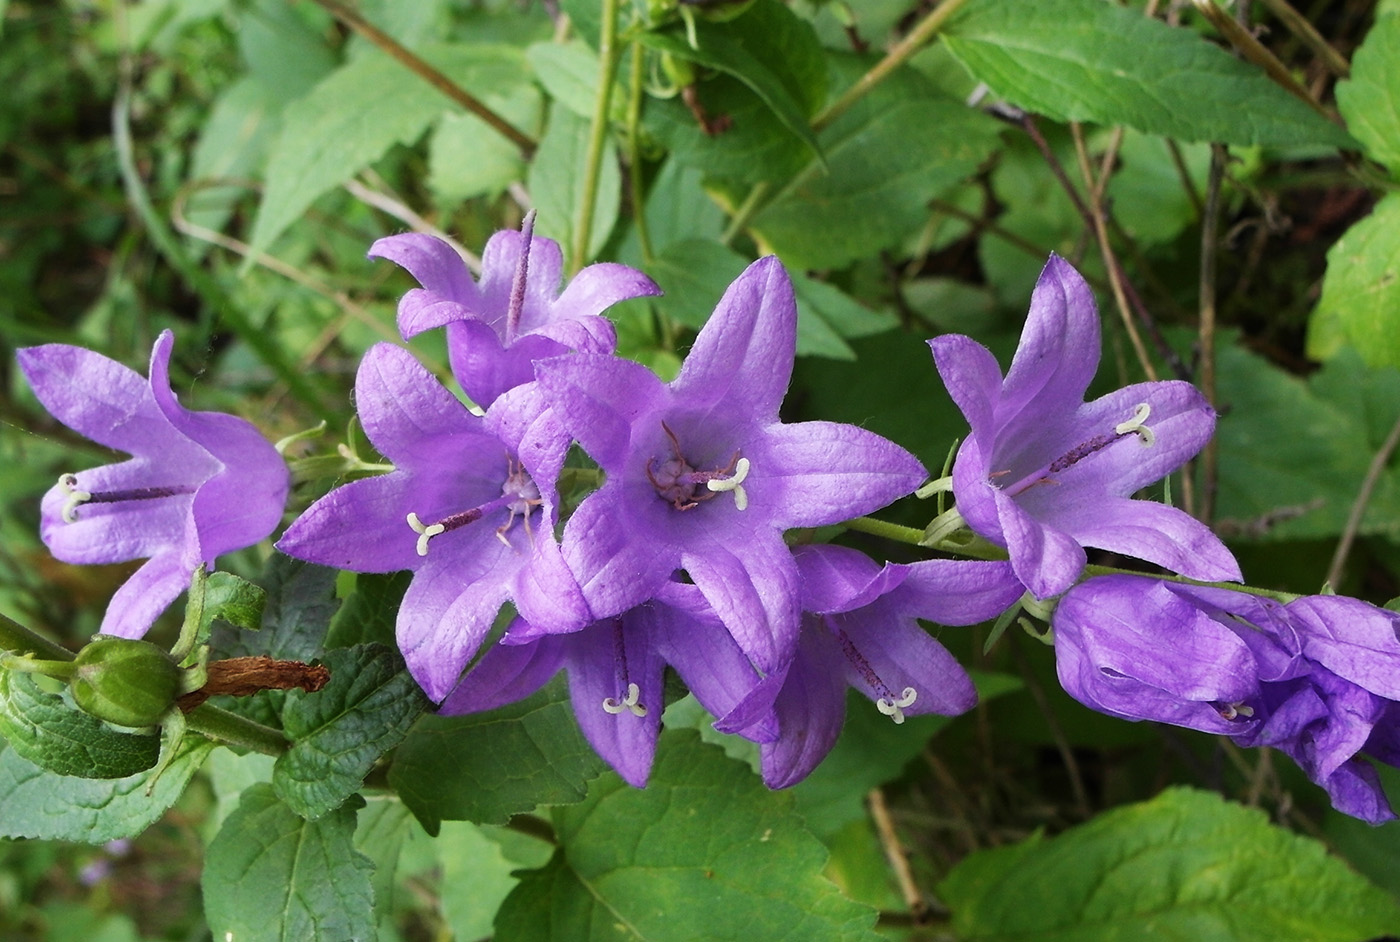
{"x": 859, "y": 630}
{"x": 470, "y": 508}
{"x": 497, "y": 328}
{"x": 615, "y": 671}
{"x": 1045, "y": 474}
{"x": 702, "y": 476}
{"x": 1318, "y": 678}
{"x": 197, "y": 484}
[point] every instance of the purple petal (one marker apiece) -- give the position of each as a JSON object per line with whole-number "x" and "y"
{"x": 973, "y": 379}
{"x": 546, "y": 593}
{"x": 599, "y": 400}
{"x": 1167, "y": 536}
{"x": 743, "y": 356}
{"x": 605, "y": 658}
{"x": 361, "y": 526}
{"x": 1353, "y": 639}
{"x": 1046, "y": 560}
{"x": 615, "y": 569}
{"x": 504, "y": 674}
{"x": 753, "y": 586}
{"x": 838, "y": 579}
{"x": 1059, "y": 348}
{"x": 1355, "y": 789}
{"x": 696, "y": 643}
{"x": 435, "y": 264}
{"x": 811, "y": 709}
{"x": 486, "y": 368}
{"x": 599, "y": 287}
{"x": 119, "y": 531}
{"x": 408, "y": 415}
{"x": 150, "y": 590}
{"x": 899, "y": 656}
{"x": 499, "y": 261}
{"x": 810, "y": 474}
{"x": 956, "y": 591}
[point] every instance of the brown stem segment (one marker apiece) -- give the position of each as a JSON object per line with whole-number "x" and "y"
{"x": 245, "y": 676}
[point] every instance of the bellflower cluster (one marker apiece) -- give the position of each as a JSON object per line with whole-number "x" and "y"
{"x": 1318, "y": 678}
{"x": 197, "y": 484}
{"x": 1045, "y": 474}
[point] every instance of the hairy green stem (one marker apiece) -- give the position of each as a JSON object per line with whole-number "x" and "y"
{"x": 16, "y": 638}
{"x": 233, "y": 730}
{"x": 598, "y": 134}
{"x": 634, "y": 151}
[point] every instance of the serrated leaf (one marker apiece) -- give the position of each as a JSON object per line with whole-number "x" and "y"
{"x": 60, "y": 738}
{"x": 768, "y": 48}
{"x": 886, "y": 158}
{"x": 356, "y": 114}
{"x": 270, "y": 875}
{"x": 371, "y": 611}
{"x": 1086, "y": 60}
{"x": 1370, "y": 100}
{"x": 556, "y": 182}
{"x": 1360, "y": 303}
{"x": 1301, "y": 484}
{"x": 488, "y": 766}
{"x": 1186, "y": 865}
{"x": 221, "y": 595}
{"x": 39, "y": 804}
{"x": 569, "y": 73}
{"x": 476, "y": 878}
{"x": 703, "y": 845}
{"x": 299, "y": 605}
{"x": 339, "y": 732}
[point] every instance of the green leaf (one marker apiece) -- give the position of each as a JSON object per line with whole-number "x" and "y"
{"x": 569, "y": 73}
{"x": 356, "y": 114}
{"x": 339, "y": 732}
{"x": 1360, "y": 302}
{"x": 468, "y": 158}
{"x": 1294, "y": 451}
{"x": 1186, "y": 865}
{"x": 476, "y": 878}
{"x": 371, "y": 610}
{"x": 270, "y": 875}
{"x": 703, "y": 851}
{"x": 886, "y": 157}
{"x": 299, "y": 604}
{"x": 223, "y": 595}
{"x": 39, "y": 804}
{"x": 1370, "y": 100}
{"x": 770, "y": 49}
{"x": 871, "y": 751}
{"x": 488, "y": 766}
{"x": 58, "y": 737}
{"x": 1086, "y": 60}
{"x": 556, "y": 182}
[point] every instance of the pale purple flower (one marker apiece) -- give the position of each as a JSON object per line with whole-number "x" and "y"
{"x": 702, "y": 476}
{"x": 615, "y": 673}
{"x": 1318, "y": 678}
{"x": 515, "y": 315}
{"x": 859, "y": 630}
{"x": 470, "y": 508}
{"x": 197, "y": 484}
{"x": 1045, "y": 474}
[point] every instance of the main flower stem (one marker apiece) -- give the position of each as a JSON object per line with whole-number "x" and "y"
{"x": 598, "y": 134}
{"x": 236, "y": 731}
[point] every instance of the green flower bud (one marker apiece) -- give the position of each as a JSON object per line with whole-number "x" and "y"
{"x": 126, "y": 682}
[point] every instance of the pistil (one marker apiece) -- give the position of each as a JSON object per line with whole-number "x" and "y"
{"x": 614, "y": 705}
{"x": 76, "y": 497}
{"x": 683, "y": 487}
{"x": 522, "y": 272}
{"x": 887, "y": 703}
{"x": 1133, "y": 426}
{"x": 519, "y": 495}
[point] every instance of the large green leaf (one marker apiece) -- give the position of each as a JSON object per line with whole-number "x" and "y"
{"x": 1360, "y": 303}
{"x": 1370, "y": 100}
{"x": 886, "y": 157}
{"x": 57, "y": 736}
{"x": 556, "y": 182}
{"x": 768, "y": 48}
{"x": 299, "y": 604}
{"x": 704, "y": 851}
{"x": 357, "y": 113}
{"x": 1294, "y": 452}
{"x": 340, "y": 731}
{"x": 270, "y": 876}
{"x": 1186, "y": 865}
{"x": 488, "y": 766}
{"x": 1086, "y": 60}
{"x": 36, "y": 803}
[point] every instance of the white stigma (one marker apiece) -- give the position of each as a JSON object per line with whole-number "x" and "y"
{"x": 614, "y": 706}
{"x": 734, "y": 483}
{"x": 894, "y": 709}
{"x": 1135, "y": 426}
{"x": 68, "y": 483}
{"x": 425, "y": 533}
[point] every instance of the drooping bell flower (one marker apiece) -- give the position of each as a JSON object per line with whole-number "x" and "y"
{"x": 702, "y": 476}
{"x": 470, "y": 508}
{"x": 859, "y": 629}
{"x": 1046, "y": 474}
{"x": 197, "y": 484}
{"x": 498, "y": 327}
{"x": 615, "y": 670}
{"x": 1317, "y": 679}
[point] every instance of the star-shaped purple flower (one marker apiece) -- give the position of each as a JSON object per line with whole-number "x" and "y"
{"x": 615, "y": 673}
{"x": 496, "y": 329}
{"x": 197, "y": 484}
{"x": 702, "y": 476}
{"x": 1045, "y": 474}
{"x": 1318, "y": 678}
{"x": 859, "y": 630}
{"x": 470, "y": 508}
